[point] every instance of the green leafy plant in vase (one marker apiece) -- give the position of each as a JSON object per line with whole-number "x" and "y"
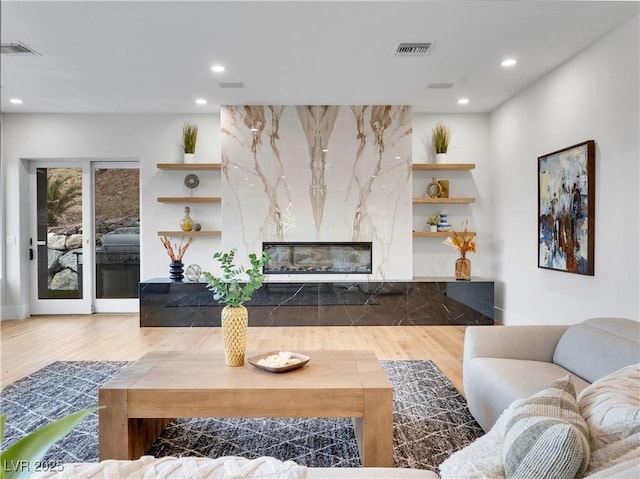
{"x": 234, "y": 288}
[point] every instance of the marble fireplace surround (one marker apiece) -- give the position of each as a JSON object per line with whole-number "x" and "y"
{"x": 318, "y": 257}
{"x": 320, "y": 173}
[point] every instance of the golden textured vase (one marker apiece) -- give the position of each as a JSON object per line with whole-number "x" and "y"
{"x": 463, "y": 269}
{"x": 186, "y": 223}
{"x": 235, "y": 321}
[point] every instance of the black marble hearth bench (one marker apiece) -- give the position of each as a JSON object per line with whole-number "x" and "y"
{"x": 424, "y": 301}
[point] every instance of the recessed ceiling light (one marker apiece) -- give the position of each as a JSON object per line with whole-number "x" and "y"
{"x": 16, "y": 101}
{"x": 324, "y": 150}
{"x": 463, "y": 101}
{"x": 253, "y": 129}
{"x": 201, "y": 101}
{"x": 509, "y": 62}
{"x": 218, "y": 68}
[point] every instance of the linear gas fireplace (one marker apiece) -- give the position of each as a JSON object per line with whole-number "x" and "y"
{"x": 323, "y": 257}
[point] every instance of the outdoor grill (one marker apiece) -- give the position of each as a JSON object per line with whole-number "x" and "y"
{"x": 118, "y": 263}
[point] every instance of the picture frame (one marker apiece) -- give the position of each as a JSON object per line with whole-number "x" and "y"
{"x": 566, "y": 209}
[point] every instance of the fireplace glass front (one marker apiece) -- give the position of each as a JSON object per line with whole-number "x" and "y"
{"x": 319, "y": 257}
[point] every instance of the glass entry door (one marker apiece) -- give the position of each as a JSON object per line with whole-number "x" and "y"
{"x": 59, "y": 239}
{"x": 85, "y": 237}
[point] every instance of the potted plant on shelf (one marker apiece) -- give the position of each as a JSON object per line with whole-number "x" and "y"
{"x": 189, "y": 138}
{"x": 233, "y": 293}
{"x": 432, "y": 221}
{"x": 440, "y": 138}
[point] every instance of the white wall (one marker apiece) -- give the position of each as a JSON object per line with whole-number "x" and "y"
{"x": 593, "y": 96}
{"x": 150, "y": 139}
{"x": 153, "y": 139}
{"x": 469, "y": 144}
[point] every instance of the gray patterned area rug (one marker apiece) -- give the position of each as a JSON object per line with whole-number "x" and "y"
{"x": 431, "y": 421}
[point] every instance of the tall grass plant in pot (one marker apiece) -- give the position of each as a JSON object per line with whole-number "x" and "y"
{"x": 440, "y": 138}
{"x": 189, "y": 139}
{"x": 234, "y": 288}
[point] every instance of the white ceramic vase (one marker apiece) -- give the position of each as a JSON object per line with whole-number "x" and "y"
{"x": 441, "y": 157}
{"x": 189, "y": 158}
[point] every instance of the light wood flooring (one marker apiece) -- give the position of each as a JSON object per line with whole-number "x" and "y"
{"x": 28, "y": 345}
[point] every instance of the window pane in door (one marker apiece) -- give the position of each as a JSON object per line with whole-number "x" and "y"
{"x": 117, "y": 232}
{"x": 59, "y": 232}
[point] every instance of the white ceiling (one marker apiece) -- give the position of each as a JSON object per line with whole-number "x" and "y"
{"x": 155, "y": 57}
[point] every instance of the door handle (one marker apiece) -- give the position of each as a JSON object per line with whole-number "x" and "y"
{"x": 30, "y": 254}
{"x": 41, "y": 243}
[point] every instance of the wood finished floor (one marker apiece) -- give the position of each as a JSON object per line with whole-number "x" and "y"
{"x": 30, "y": 344}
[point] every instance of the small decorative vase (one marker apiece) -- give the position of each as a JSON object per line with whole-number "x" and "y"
{"x": 443, "y": 224}
{"x": 463, "y": 269}
{"x": 189, "y": 158}
{"x": 176, "y": 271}
{"x": 441, "y": 157}
{"x": 235, "y": 322}
{"x": 433, "y": 228}
{"x": 186, "y": 223}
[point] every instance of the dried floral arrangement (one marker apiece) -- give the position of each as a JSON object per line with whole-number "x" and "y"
{"x": 175, "y": 251}
{"x": 463, "y": 240}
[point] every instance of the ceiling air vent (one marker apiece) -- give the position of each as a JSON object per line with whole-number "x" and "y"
{"x": 16, "y": 49}
{"x": 440, "y": 85}
{"x": 231, "y": 85}
{"x": 412, "y": 49}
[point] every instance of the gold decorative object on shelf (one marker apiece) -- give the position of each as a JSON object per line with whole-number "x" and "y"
{"x": 434, "y": 189}
{"x": 445, "y": 188}
{"x": 186, "y": 223}
{"x": 438, "y": 188}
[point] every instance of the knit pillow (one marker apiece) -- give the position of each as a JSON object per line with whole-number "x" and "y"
{"x": 611, "y": 406}
{"x": 546, "y": 436}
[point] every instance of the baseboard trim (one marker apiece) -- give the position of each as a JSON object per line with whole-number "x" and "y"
{"x": 14, "y": 312}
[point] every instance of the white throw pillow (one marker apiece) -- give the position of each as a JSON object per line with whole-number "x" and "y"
{"x": 546, "y": 436}
{"x": 611, "y": 406}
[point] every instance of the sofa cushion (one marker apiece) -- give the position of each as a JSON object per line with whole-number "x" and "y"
{"x": 492, "y": 384}
{"x": 598, "y": 346}
{"x": 546, "y": 436}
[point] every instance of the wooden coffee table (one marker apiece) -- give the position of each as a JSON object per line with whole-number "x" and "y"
{"x": 141, "y": 401}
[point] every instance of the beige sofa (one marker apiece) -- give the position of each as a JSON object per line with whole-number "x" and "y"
{"x": 502, "y": 364}
{"x": 531, "y": 384}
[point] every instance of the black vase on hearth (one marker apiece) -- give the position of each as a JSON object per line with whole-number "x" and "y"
{"x": 176, "y": 271}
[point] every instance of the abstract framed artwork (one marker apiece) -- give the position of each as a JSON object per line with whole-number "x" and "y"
{"x": 566, "y": 209}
